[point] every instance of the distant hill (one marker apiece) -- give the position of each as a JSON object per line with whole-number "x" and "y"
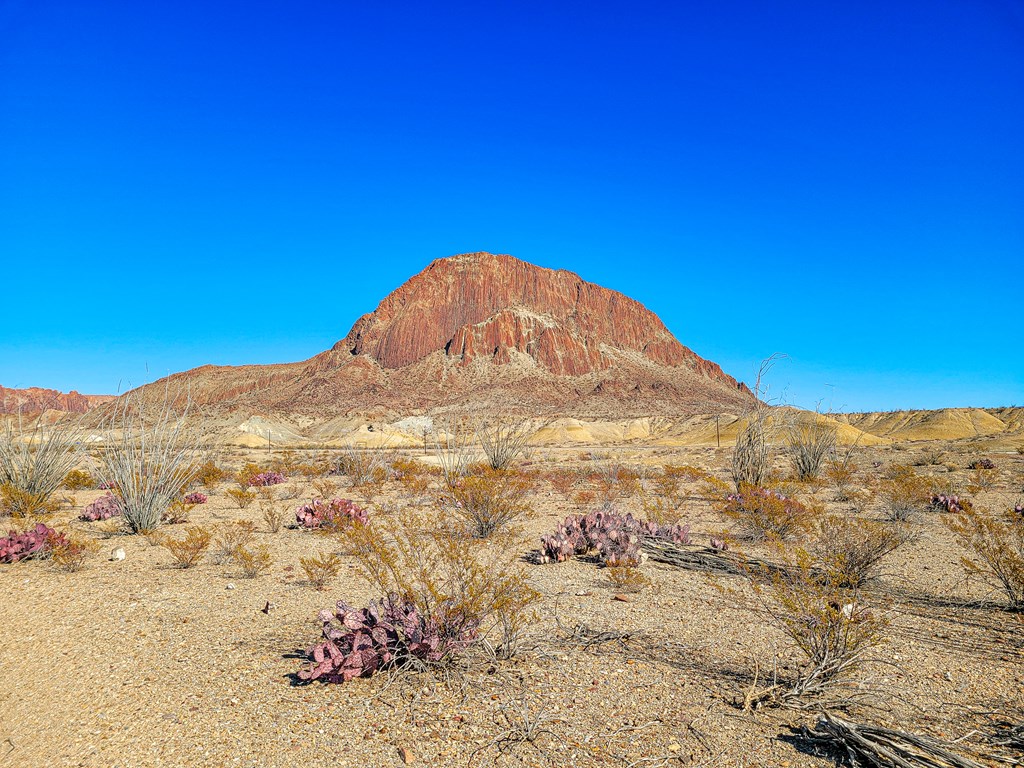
{"x": 482, "y": 328}
{"x": 37, "y": 400}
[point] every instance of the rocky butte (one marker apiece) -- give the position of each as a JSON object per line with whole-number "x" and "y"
{"x": 37, "y": 400}
{"x": 480, "y": 329}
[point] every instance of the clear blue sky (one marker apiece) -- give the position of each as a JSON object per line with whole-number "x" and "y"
{"x": 236, "y": 182}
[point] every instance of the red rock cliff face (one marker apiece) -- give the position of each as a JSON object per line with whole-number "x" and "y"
{"x": 484, "y": 306}
{"x": 37, "y": 399}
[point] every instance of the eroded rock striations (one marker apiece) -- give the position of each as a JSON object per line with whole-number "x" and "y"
{"x": 482, "y": 327}
{"x": 37, "y": 399}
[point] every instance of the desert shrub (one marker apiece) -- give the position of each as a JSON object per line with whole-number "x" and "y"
{"x": 584, "y": 498}
{"x": 750, "y": 459}
{"x": 903, "y": 493}
{"x": 848, "y": 551}
{"x": 252, "y": 562}
{"x": 930, "y": 457}
{"x": 488, "y": 501}
{"x": 242, "y": 496}
{"x": 615, "y": 538}
{"x": 35, "y": 542}
{"x": 503, "y": 439}
{"x": 826, "y": 621}
{"x": 336, "y": 514}
{"x": 210, "y": 475}
{"x": 949, "y": 502}
{"x": 286, "y": 463}
{"x": 366, "y": 468}
{"x": 34, "y": 460}
{"x": 196, "y": 497}
{"x": 413, "y": 475}
{"x": 453, "y": 451}
{"x": 612, "y": 480}
{"x": 997, "y": 542}
{"x": 981, "y": 479}
{"x": 176, "y": 513}
{"x": 982, "y": 464}
{"x": 189, "y": 550}
{"x": 840, "y": 472}
{"x": 441, "y": 598}
{"x": 272, "y": 516}
{"x": 231, "y": 537}
{"x": 79, "y": 480}
{"x": 21, "y": 504}
{"x": 325, "y": 487}
{"x": 762, "y": 513}
{"x": 70, "y": 552}
{"x": 321, "y": 569}
{"x": 810, "y": 443}
{"x": 664, "y": 502}
{"x": 104, "y": 508}
{"x": 563, "y": 481}
{"x": 148, "y": 457}
{"x": 626, "y": 578}
{"x": 266, "y": 479}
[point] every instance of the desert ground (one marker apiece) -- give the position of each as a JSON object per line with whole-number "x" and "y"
{"x": 137, "y": 662}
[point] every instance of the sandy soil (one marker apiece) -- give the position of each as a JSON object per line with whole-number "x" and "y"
{"x": 136, "y": 663}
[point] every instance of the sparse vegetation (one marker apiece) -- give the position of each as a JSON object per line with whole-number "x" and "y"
{"x": 252, "y": 562}
{"x": 321, "y": 569}
{"x": 148, "y": 458}
{"x": 503, "y": 438}
{"x": 811, "y": 441}
{"x": 849, "y": 551}
{"x": 997, "y": 543}
{"x": 487, "y": 501}
{"x": 903, "y": 493}
{"x": 79, "y": 480}
{"x": 34, "y": 461}
{"x": 189, "y": 550}
{"x": 762, "y": 514}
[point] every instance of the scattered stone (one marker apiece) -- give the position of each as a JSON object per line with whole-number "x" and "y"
{"x": 230, "y": 586}
{"x": 621, "y": 598}
{"x": 117, "y": 553}
{"x": 406, "y": 755}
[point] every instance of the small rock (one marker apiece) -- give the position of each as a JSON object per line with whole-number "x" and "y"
{"x": 947, "y": 677}
{"x": 406, "y": 755}
{"x": 674, "y": 747}
{"x": 230, "y": 586}
{"x": 117, "y": 553}
{"x": 621, "y": 598}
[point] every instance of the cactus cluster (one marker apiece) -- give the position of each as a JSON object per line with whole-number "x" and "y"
{"x": 35, "y": 542}
{"x": 387, "y": 633}
{"x": 942, "y": 502}
{"x": 616, "y": 538}
{"x": 104, "y": 508}
{"x": 982, "y": 464}
{"x": 320, "y": 513}
{"x": 263, "y": 479}
{"x": 197, "y": 497}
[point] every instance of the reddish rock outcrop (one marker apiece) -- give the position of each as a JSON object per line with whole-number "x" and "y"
{"x": 484, "y": 328}
{"x": 37, "y": 399}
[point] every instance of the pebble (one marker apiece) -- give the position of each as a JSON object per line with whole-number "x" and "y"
{"x": 230, "y": 586}
{"x": 117, "y": 553}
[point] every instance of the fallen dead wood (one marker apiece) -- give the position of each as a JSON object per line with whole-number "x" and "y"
{"x": 872, "y": 746}
{"x": 695, "y": 557}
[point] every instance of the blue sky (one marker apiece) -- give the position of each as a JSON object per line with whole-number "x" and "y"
{"x": 188, "y": 183}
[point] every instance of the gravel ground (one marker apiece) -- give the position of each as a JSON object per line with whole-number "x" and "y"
{"x": 137, "y": 663}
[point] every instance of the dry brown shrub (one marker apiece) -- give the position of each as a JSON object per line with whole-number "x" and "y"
{"x": 840, "y": 473}
{"x": 613, "y": 480}
{"x": 810, "y": 443}
{"x": 583, "y": 498}
{"x": 488, "y": 501}
{"x": 664, "y": 502}
{"x": 245, "y": 475}
{"x": 188, "y": 551}
{"x": 272, "y": 516}
{"x": 828, "y": 623}
{"x": 763, "y": 514}
{"x": 997, "y": 541}
{"x": 325, "y": 488}
{"x": 981, "y": 479}
{"x": 321, "y": 569}
{"x": 79, "y": 480}
{"x": 286, "y": 462}
{"x": 209, "y": 475}
{"x": 230, "y": 537}
{"x": 21, "y": 504}
{"x": 252, "y": 562}
{"x": 563, "y": 481}
{"x": 903, "y": 493}
{"x": 626, "y": 578}
{"x": 70, "y": 553}
{"x": 444, "y": 574}
{"x": 243, "y": 496}
{"x": 850, "y": 550}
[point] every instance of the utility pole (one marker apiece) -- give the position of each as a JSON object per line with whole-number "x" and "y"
{"x": 718, "y": 431}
